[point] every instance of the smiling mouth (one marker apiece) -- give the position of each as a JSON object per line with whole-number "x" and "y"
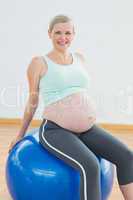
{"x": 62, "y": 44}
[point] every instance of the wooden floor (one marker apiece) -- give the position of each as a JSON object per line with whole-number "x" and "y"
{"x": 8, "y": 133}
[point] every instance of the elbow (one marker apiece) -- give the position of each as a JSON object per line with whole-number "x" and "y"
{"x": 33, "y": 102}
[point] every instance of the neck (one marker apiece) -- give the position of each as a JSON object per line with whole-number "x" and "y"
{"x": 65, "y": 55}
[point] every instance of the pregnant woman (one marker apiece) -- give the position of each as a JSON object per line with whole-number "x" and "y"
{"x": 68, "y": 129}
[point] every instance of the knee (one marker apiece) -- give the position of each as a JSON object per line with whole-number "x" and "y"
{"x": 128, "y": 158}
{"x": 95, "y": 169}
{"x": 125, "y": 168}
{"x": 92, "y": 167}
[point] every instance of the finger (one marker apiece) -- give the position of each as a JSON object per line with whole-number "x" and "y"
{"x": 9, "y": 150}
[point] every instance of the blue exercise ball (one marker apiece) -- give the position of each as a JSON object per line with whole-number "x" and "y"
{"x": 34, "y": 173}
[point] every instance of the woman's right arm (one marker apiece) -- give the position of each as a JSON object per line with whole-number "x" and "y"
{"x": 33, "y": 74}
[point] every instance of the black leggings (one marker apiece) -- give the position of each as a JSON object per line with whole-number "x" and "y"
{"x": 79, "y": 150}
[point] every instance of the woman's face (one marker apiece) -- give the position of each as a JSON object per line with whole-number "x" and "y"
{"x": 62, "y": 35}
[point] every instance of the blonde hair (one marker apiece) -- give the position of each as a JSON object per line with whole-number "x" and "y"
{"x": 59, "y": 19}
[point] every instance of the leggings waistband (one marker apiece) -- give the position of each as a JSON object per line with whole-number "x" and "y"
{"x": 50, "y": 124}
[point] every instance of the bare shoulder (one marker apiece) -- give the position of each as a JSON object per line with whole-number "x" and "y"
{"x": 83, "y": 60}
{"x": 34, "y": 70}
{"x": 36, "y": 66}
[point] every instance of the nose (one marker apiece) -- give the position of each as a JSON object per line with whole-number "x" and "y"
{"x": 62, "y": 37}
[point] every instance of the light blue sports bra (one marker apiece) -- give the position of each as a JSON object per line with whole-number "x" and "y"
{"x": 61, "y": 80}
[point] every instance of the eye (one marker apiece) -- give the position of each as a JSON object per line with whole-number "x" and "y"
{"x": 68, "y": 33}
{"x": 58, "y": 32}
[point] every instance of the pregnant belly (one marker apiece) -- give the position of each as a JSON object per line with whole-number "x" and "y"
{"x": 75, "y": 112}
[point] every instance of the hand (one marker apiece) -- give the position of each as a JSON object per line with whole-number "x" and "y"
{"x": 14, "y": 141}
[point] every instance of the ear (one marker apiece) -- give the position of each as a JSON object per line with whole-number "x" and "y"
{"x": 74, "y": 34}
{"x": 49, "y": 34}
